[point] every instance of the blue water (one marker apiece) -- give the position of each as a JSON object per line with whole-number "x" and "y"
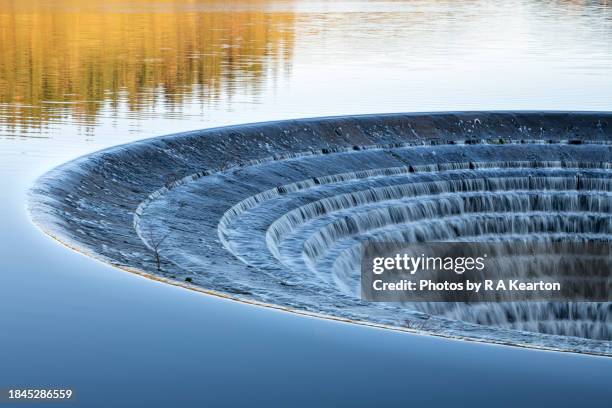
{"x": 122, "y": 340}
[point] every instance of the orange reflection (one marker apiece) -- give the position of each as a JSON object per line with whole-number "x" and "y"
{"x": 83, "y": 53}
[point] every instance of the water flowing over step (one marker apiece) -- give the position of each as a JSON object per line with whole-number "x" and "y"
{"x": 310, "y": 231}
{"x": 280, "y": 219}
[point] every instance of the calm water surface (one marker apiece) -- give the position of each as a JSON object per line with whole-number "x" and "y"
{"x": 77, "y": 76}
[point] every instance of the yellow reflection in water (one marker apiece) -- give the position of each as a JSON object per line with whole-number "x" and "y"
{"x": 77, "y": 54}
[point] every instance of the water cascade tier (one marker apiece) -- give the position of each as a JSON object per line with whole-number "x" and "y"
{"x": 276, "y": 213}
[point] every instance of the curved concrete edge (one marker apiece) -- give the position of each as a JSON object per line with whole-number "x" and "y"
{"x": 88, "y": 203}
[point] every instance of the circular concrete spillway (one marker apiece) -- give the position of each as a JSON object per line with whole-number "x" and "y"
{"x": 275, "y": 213}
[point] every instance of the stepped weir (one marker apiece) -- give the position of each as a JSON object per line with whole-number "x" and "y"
{"x": 276, "y": 213}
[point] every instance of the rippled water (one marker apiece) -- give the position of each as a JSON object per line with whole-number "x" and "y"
{"x": 103, "y": 72}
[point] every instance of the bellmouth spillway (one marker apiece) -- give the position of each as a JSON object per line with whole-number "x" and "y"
{"x": 275, "y": 213}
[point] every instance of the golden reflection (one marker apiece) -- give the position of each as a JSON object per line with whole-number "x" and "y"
{"x": 70, "y": 56}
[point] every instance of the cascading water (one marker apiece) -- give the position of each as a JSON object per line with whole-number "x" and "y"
{"x": 284, "y": 225}
{"x": 475, "y": 201}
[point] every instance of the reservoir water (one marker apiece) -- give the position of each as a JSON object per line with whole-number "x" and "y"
{"x": 76, "y": 77}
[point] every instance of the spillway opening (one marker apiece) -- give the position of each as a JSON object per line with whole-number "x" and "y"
{"x": 276, "y": 213}
{"x": 319, "y": 224}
